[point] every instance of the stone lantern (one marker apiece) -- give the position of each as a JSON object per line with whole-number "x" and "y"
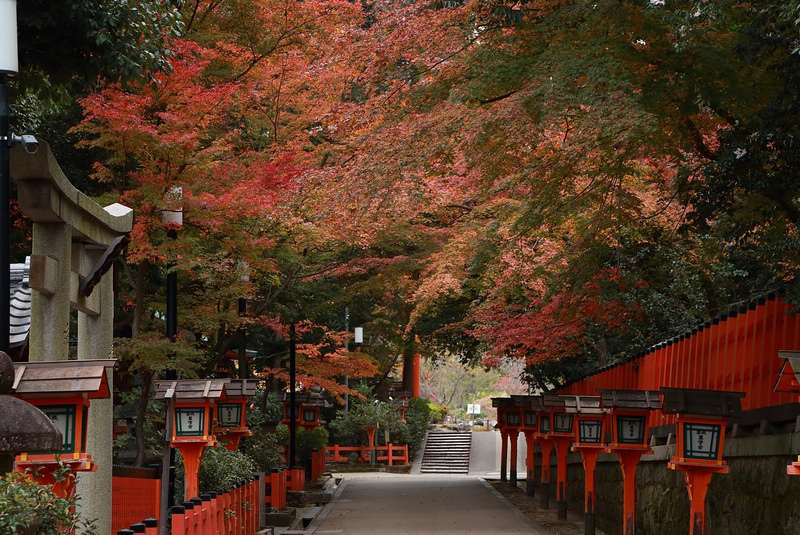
{"x": 23, "y": 426}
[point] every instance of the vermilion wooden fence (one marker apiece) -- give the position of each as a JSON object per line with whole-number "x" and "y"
{"x": 235, "y": 512}
{"x": 229, "y": 513}
{"x": 737, "y": 351}
{"x": 390, "y": 453}
{"x": 136, "y": 494}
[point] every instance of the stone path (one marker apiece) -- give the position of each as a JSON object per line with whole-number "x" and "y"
{"x": 384, "y": 504}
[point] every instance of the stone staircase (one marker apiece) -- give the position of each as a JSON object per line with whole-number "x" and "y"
{"x": 446, "y": 453}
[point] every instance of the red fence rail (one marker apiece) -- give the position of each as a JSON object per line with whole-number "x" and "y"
{"x": 229, "y": 513}
{"x": 136, "y": 495}
{"x": 737, "y": 351}
{"x": 391, "y": 454}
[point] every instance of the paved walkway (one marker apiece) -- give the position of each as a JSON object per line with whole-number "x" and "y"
{"x": 384, "y": 504}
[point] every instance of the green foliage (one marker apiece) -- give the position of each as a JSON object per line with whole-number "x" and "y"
{"x": 264, "y": 449}
{"x": 24, "y": 503}
{"x": 418, "y": 416}
{"x": 437, "y": 412}
{"x": 222, "y": 469}
{"x": 308, "y": 441}
{"x": 74, "y": 42}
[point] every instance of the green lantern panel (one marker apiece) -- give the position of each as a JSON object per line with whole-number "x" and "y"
{"x": 189, "y": 422}
{"x": 530, "y": 419}
{"x": 229, "y": 414}
{"x": 590, "y": 431}
{"x": 630, "y": 429}
{"x": 513, "y": 418}
{"x": 544, "y": 424}
{"x": 63, "y": 418}
{"x": 309, "y": 415}
{"x": 701, "y": 441}
{"x": 562, "y": 423}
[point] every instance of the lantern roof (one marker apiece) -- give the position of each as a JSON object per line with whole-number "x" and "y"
{"x": 552, "y": 400}
{"x": 701, "y": 402}
{"x": 309, "y": 399}
{"x": 630, "y": 399}
{"x": 588, "y": 405}
{"x": 789, "y": 380}
{"x": 241, "y": 388}
{"x": 62, "y": 377}
{"x": 528, "y": 402}
{"x": 188, "y": 389}
{"x": 503, "y": 403}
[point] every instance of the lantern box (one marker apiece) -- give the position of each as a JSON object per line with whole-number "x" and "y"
{"x": 508, "y": 415}
{"x": 788, "y": 379}
{"x": 530, "y": 407}
{"x": 561, "y": 423}
{"x": 192, "y": 405}
{"x": 701, "y": 422}
{"x": 629, "y": 412}
{"x": 590, "y": 419}
{"x": 62, "y": 390}
{"x": 307, "y": 409}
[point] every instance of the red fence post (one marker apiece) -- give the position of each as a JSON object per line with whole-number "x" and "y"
{"x": 178, "y": 520}
{"x": 151, "y": 526}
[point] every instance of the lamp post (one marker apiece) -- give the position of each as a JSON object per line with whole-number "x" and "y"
{"x": 292, "y": 395}
{"x": 245, "y": 278}
{"x": 9, "y": 67}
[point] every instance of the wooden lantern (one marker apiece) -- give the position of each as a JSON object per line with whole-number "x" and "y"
{"x": 191, "y": 413}
{"x": 62, "y": 390}
{"x": 230, "y": 424}
{"x": 530, "y": 407}
{"x": 589, "y": 431}
{"x": 789, "y": 381}
{"x": 508, "y": 423}
{"x": 308, "y": 410}
{"x": 561, "y": 434}
{"x": 702, "y": 416}
{"x": 629, "y": 415}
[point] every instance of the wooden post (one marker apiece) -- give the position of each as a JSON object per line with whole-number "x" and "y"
{"x": 529, "y": 463}
{"x": 589, "y": 461}
{"x": 544, "y": 500}
{"x": 628, "y": 461}
{"x": 513, "y": 436}
{"x": 562, "y": 446}
{"x": 504, "y": 455}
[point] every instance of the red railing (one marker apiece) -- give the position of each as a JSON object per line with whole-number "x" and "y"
{"x": 296, "y": 479}
{"x": 391, "y": 454}
{"x": 317, "y": 464}
{"x": 737, "y": 351}
{"x": 135, "y": 495}
{"x": 275, "y": 493}
{"x": 235, "y": 512}
{"x": 229, "y": 513}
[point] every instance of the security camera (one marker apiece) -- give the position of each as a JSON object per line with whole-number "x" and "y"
{"x": 28, "y": 142}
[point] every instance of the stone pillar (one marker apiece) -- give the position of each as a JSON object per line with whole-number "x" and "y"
{"x": 95, "y": 341}
{"x": 50, "y": 277}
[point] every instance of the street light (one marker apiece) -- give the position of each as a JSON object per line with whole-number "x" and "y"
{"x": 9, "y": 68}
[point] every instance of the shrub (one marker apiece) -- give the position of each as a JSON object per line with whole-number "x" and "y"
{"x": 222, "y": 469}
{"x": 23, "y": 503}
{"x": 418, "y": 416}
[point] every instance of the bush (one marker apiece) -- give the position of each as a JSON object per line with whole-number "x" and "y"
{"x": 418, "y": 416}
{"x": 23, "y": 503}
{"x": 222, "y": 469}
{"x": 264, "y": 449}
{"x": 308, "y": 441}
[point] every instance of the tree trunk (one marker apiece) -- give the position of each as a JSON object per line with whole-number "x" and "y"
{"x": 141, "y": 415}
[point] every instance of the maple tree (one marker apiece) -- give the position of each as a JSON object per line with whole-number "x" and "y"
{"x": 562, "y": 183}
